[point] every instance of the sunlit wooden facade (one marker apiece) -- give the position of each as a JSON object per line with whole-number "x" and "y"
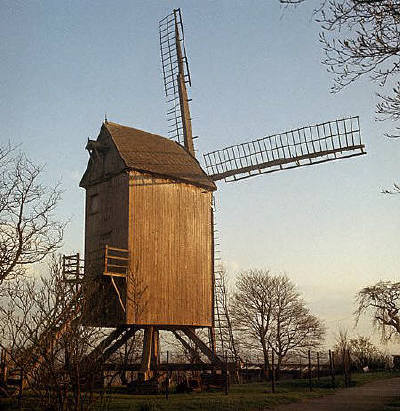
{"x": 146, "y": 194}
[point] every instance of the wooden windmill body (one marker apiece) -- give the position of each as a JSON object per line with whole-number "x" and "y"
{"x": 146, "y": 194}
{"x": 149, "y": 250}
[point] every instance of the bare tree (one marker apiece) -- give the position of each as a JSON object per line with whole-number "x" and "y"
{"x": 382, "y": 302}
{"x": 360, "y": 350}
{"x": 252, "y": 307}
{"x": 29, "y": 230}
{"x": 293, "y": 327}
{"x": 365, "y": 353}
{"x": 269, "y": 309}
{"x": 362, "y": 38}
{"x": 41, "y": 330}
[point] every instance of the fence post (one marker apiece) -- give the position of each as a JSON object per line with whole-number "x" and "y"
{"x": 349, "y": 362}
{"x": 318, "y": 366}
{"x": 167, "y": 379}
{"x": 21, "y": 386}
{"x": 226, "y": 373}
{"x": 309, "y": 370}
{"x": 273, "y": 372}
{"x": 345, "y": 370}
{"x": 332, "y": 367}
{"x": 2, "y": 367}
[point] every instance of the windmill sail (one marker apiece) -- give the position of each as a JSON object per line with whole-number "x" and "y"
{"x": 296, "y": 148}
{"x": 176, "y": 75}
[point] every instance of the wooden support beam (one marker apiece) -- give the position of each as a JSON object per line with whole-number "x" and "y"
{"x": 211, "y": 332}
{"x": 155, "y": 349}
{"x": 183, "y": 97}
{"x": 98, "y": 350}
{"x": 194, "y": 353}
{"x": 191, "y": 334}
{"x": 3, "y": 366}
{"x": 129, "y": 333}
{"x": 185, "y": 113}
{"x": 170, "y": 367}
{"x": 145, "y": 367}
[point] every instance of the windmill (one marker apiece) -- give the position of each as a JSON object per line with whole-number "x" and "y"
{"x": 149, "y": 227}
{"x": 150, "y": 248}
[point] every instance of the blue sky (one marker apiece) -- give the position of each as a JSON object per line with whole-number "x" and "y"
{"x": 255, "y": 70}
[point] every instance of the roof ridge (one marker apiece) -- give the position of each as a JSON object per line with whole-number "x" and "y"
{"x": 137, "y": 129}
{"x": 145, "y": 151}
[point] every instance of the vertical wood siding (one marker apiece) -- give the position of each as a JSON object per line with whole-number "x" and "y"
{"x": 170, "y": 244}
{"x": 106, "y": 222}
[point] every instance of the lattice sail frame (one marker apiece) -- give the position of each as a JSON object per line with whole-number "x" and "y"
{"x": 171, "y": 32}
{"x": 296, "y": 148}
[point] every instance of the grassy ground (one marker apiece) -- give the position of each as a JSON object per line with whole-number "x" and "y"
{"x": 253, "y": 396}
{"x": 392, "y": 405}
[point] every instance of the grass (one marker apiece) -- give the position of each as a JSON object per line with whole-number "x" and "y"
{"x": 252, "y": 396}
{"x": 392, "y": 405}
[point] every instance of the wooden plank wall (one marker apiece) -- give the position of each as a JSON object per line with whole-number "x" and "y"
{"x": 106, "y": 223}
{"x": 170, "y": 243}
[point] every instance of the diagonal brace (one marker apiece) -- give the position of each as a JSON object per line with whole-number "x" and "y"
{"x": 190, "y": 333}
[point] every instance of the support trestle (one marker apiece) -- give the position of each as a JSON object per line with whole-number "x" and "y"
{"x": 150, "y": 362}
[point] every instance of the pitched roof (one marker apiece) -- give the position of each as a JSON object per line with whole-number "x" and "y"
{"x": 151, "y": 153}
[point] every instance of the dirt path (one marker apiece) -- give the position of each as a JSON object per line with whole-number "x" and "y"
{"x": 371, "y": 396}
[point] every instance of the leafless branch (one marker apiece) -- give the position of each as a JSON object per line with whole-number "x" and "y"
{"x": 382, "y": 302}
{"x": 29, "y": 230}
{"x": 362, "y": 38}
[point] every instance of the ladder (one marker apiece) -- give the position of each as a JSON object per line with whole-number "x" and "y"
{"x": 224, "y": 340}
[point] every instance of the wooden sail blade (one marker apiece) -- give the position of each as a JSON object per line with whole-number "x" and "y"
{"x": 304, "y": 146}
{"x": 176, "y": 75}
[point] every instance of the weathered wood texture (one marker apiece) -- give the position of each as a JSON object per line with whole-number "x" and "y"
{"x": 106, "y": 220}
{"x": 164, "y": 223}
{"x": 170, "y": 249}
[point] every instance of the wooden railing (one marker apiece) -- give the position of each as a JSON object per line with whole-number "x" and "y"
{"x": 116, "y": 264}
{"x": 116, "y": 261}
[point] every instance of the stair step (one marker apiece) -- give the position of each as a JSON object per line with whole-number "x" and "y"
{"x": 13, "y": 381}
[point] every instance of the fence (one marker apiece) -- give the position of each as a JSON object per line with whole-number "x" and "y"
{"x": 310, "y": 366}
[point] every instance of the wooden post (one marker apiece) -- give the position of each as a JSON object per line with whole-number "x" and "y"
{"x": 147, "y": 353}
{"x": 3, "y": 367}
{"x": 318, "y": 366}
{"x": 105, "y": 259}
{"x": 344, "y": 359}
{"x": 226, "y": 373}
{"x": 309, "y": 371}
{"x": 211, "y": 332}
{"x": 273, "y": 372}
{"x": 204, "y": 348}
{"x": 183, "y": 98}
{"x": 77, "y": 272}
{"x": 239, "y": 370}
{"x": 155, "y": 351}
{"x": 21, "y": 385}
{"x": 349, "y": 364}
{"x": 332, "y": 367}
{"x": 167, "y": 379}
